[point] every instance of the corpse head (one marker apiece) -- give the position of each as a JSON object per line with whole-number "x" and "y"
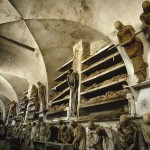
{"x": 124, "y": 119}
{"x": 118, "y": 25}
{"x": 73, "y": 123}
{"x": 146, "y": 118}
{"x": 91, "y": 125}
{"x": 146, "y": 6}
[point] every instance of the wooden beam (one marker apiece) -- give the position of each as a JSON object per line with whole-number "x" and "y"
{"x": 17, "y": 43}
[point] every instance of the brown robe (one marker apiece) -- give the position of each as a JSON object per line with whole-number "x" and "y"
{"x": 95, "y": 141}
{"x": 66, "y": 135}
{"x": 79, "y": 137}
{"x": 146, "y": 133}
{"x": 73, "y": 82}
{"x": 133, "y": 47}
{"x": 128, "y": 136}
{"x": 34, "y": 96}
{"x": 42, "y": 94}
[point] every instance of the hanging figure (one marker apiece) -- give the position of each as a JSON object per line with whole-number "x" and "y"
{"x": 73, "y": 82}
{"x": 133, "y": 47}
{"x": 42, "y": 94}
{"x": 34, "y": 97}
{"x": 26, "y": 101}
{"x": 13, "y": 108}
{"x": 145, "y": 16}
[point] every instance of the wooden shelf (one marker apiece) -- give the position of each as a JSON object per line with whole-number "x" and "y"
{"x": 110, "y": 71}
{"x": 97, "y": 89}
{"x": 61, "y": 77}
{"x": 102, "y": 110}
{"x": 105, "y": 63}
{"x": 61, "y": 85}
{"x": 103, "y": 102}
{"x": 110, "y": 116}
{"x": 141, "y": 85}
{"x": 65, "y": 66}
{"x": 61, "y": 94}
{"x": 60, "y": 100}
{"x": 99, "y": 55}
{"x": 50, "y": 113}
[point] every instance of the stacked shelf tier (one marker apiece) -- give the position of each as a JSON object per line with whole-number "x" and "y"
{"x": 62, "y": 93}
{"x": 60, "y": 100}
{"x": 61, "y": 85}
{"x": 104, "y": 72}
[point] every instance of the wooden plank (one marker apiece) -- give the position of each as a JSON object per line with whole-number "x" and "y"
{"x": 103, "y": 102}
{"x": 105, "y": 72}
{"x": 100, "y": 62}
{"x": 101, "y": 50}
{"x": 65, "y": 65}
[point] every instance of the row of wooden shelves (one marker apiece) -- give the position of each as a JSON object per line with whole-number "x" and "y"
{"x": 60, "y": 101}
{"x": 101, "y": 74}
{"x": 96, "y": 71}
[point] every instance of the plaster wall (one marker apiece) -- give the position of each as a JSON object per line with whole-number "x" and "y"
{"x": 2, "y": 107}
{"x": 5, "y": 100}
{"x": 20, "y": 85}
{"x": 32, "y": 61}
{"x": 7, "y": 12}
{"x": 97, "y": 14}
{"x": 7, "y": 90}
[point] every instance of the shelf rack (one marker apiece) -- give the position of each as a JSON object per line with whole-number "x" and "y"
{"x": 103, "y": 102}
{"x": 102, "y": 66}
{"x": 104, "y": 88}
{"x": 97, "y": 69}
{"x": 59, "y": 101}
{"x": 55, "y": 116}
{"x": 61, "y": 85}
{"x": 106, "y": 74}
{"x": 109, "y": 60}
{"x": 99, "y": 55}
{"x": 62, "y": 92}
